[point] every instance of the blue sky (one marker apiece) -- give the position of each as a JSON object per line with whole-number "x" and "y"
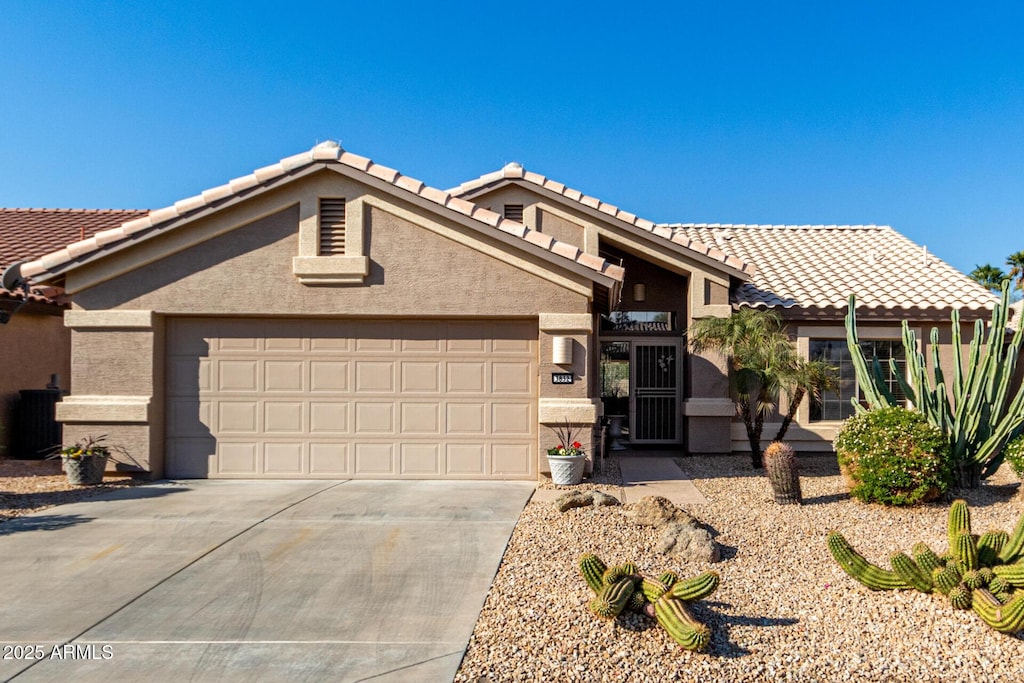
{"x": 905, "y": 114}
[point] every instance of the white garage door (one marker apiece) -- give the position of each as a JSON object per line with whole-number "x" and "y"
{"x": 351, "y": 399}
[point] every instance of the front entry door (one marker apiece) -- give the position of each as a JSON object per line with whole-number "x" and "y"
{"x": 655, "y": 416}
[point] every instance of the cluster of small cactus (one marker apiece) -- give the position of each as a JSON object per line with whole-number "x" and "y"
{"x": 981, "y": 573}
{"x": 623, "y": 587}
{"x": 781, "y": 467}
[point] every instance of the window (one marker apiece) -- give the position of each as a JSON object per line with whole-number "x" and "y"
{"x": 639, "y": 321}
{"x": 332, "y": 227}
{"x": 514, "y": 212}
{"x": 835, "y": 405}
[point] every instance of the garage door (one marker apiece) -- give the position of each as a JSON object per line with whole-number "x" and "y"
{"x": 351, "y": 399}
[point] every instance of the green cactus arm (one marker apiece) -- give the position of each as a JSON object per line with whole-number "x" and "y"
{"x": 966, "y": 551}
{"x": 669, "y": 578}
{"x": 926, "y": 558}
{"x": 652, "y": 589}
{"x": 684, "y": 628}
{"x": 958, "y": 355}
{"x": 865, "y": 377}
{"x": 960, "y": 597}
{"x": 619, "y": 572}
{"x": 1008, "y": 618}
{"x": 989, "y": 545}
{"x": 696, "y": 588}
{"x": 911, "y": 573}
{"x": 1014, "y": 545}
{"x": 593, "y": 569}
{"x": 854, "y": 564}
{"x": 945, "y": 579}
{"x": 613, "y": 598}
{"x": 958, "y": 521}
{"x": 1012, "y": 574}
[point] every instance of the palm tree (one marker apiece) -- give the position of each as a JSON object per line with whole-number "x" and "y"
{"x": 1016, "y": 263}
{"x": 761, "y": 359}
{"x": 990, "y": 277}
{"x": 807, "y": 377}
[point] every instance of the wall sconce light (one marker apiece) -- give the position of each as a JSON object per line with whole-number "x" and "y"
{"x": 639, "y": 292}
{"x": 561, "y": 351}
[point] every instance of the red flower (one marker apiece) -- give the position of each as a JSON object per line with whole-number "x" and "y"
{"x": 560, "y": 446}
{"x": 576, "y": 444}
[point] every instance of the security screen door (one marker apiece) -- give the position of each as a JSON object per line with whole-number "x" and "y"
{"x": 655, "y": 390}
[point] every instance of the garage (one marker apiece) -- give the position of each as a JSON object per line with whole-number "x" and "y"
{"x": 378, "y": 399}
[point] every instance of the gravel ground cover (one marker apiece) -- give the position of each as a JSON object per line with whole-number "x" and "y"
{"x": 31, "y": 485}
{"x": 785, "y": 611}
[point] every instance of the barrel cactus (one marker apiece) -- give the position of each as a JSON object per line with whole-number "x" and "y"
{"x": 984, "y": 573}
{"x": 781, "y": 467}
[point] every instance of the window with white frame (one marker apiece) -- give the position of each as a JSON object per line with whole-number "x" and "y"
{"x": 835, "y": 405}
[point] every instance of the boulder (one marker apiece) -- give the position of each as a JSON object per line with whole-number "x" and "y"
{"x": 688, "y": 543}
{"x": 657, "y": 511}
{"x": 602, "y": 499}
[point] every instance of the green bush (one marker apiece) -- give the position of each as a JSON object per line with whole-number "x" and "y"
{"x": 1014, "y": 454}
{"x": 893, "y": 456}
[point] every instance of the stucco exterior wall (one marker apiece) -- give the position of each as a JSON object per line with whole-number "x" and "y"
{"x": 240, "y": 262}
{"x": 36, "y": 346}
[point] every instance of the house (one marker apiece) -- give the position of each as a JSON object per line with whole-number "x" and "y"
{"x": 327, "y": 316}
{"x": 36, "y": 344}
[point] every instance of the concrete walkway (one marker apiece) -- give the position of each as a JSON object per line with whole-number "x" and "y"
{"x": 253, "y": 581}
{"x": 646, "y": 475}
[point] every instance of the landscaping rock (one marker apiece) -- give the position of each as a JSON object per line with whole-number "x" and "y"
{"x": 688, "y": 543}
{"x": 574, "y": 499}
{"x": 579, "y": 499}
{"x": 657, "y": 511}
{"x": 603, "y": 499}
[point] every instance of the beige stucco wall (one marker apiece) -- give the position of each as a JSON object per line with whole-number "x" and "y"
{"x": 35, "y": 346}
{"x": 239, "y": 262}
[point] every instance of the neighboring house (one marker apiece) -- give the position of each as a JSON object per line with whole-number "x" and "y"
{"x": 35, "y": 342}
{"x": 327, "y": 316}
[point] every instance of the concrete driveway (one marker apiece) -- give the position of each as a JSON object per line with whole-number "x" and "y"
{"x": 253, "y": 580}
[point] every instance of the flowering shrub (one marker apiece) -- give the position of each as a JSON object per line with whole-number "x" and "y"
{"x": 566, "y": 435}
{"x": 1014, "y": 454}
{"x": 893, "y": 456}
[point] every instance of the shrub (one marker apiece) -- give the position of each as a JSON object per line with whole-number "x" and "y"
{"x": 1014, "y": 454}
{"x": 893, "y": 456}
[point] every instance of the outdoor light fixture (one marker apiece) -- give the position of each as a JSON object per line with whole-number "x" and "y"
{"x": 561, "y": 351}
{"x": 639, "y": 292}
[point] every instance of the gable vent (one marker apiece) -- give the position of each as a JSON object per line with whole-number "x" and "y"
{"x": 514, "y": 212}
{"x": 332, "y": 227}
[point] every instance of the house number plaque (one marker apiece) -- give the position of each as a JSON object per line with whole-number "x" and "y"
{"x": 561, "y": 378}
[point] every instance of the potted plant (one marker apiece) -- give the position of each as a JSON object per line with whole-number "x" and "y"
{"x": 85, "y": 461}
{"x": 566, "y": 460}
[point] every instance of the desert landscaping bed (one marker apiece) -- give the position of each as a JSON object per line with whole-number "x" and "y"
{"x": 31, "y": 485}
{"x": 785, "y": 611}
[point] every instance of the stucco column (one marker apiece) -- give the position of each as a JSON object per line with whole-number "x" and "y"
{"x": 573, "y": 401}
{"x": 116, "y": 370}
{"x": 708, "y": 409}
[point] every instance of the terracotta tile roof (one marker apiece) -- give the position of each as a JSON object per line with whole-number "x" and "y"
{"x": 819, "y": 266}
{"x": 326, "y": 154}
{"x": 29, "y": 233}
{"x": 513, "y": 171}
